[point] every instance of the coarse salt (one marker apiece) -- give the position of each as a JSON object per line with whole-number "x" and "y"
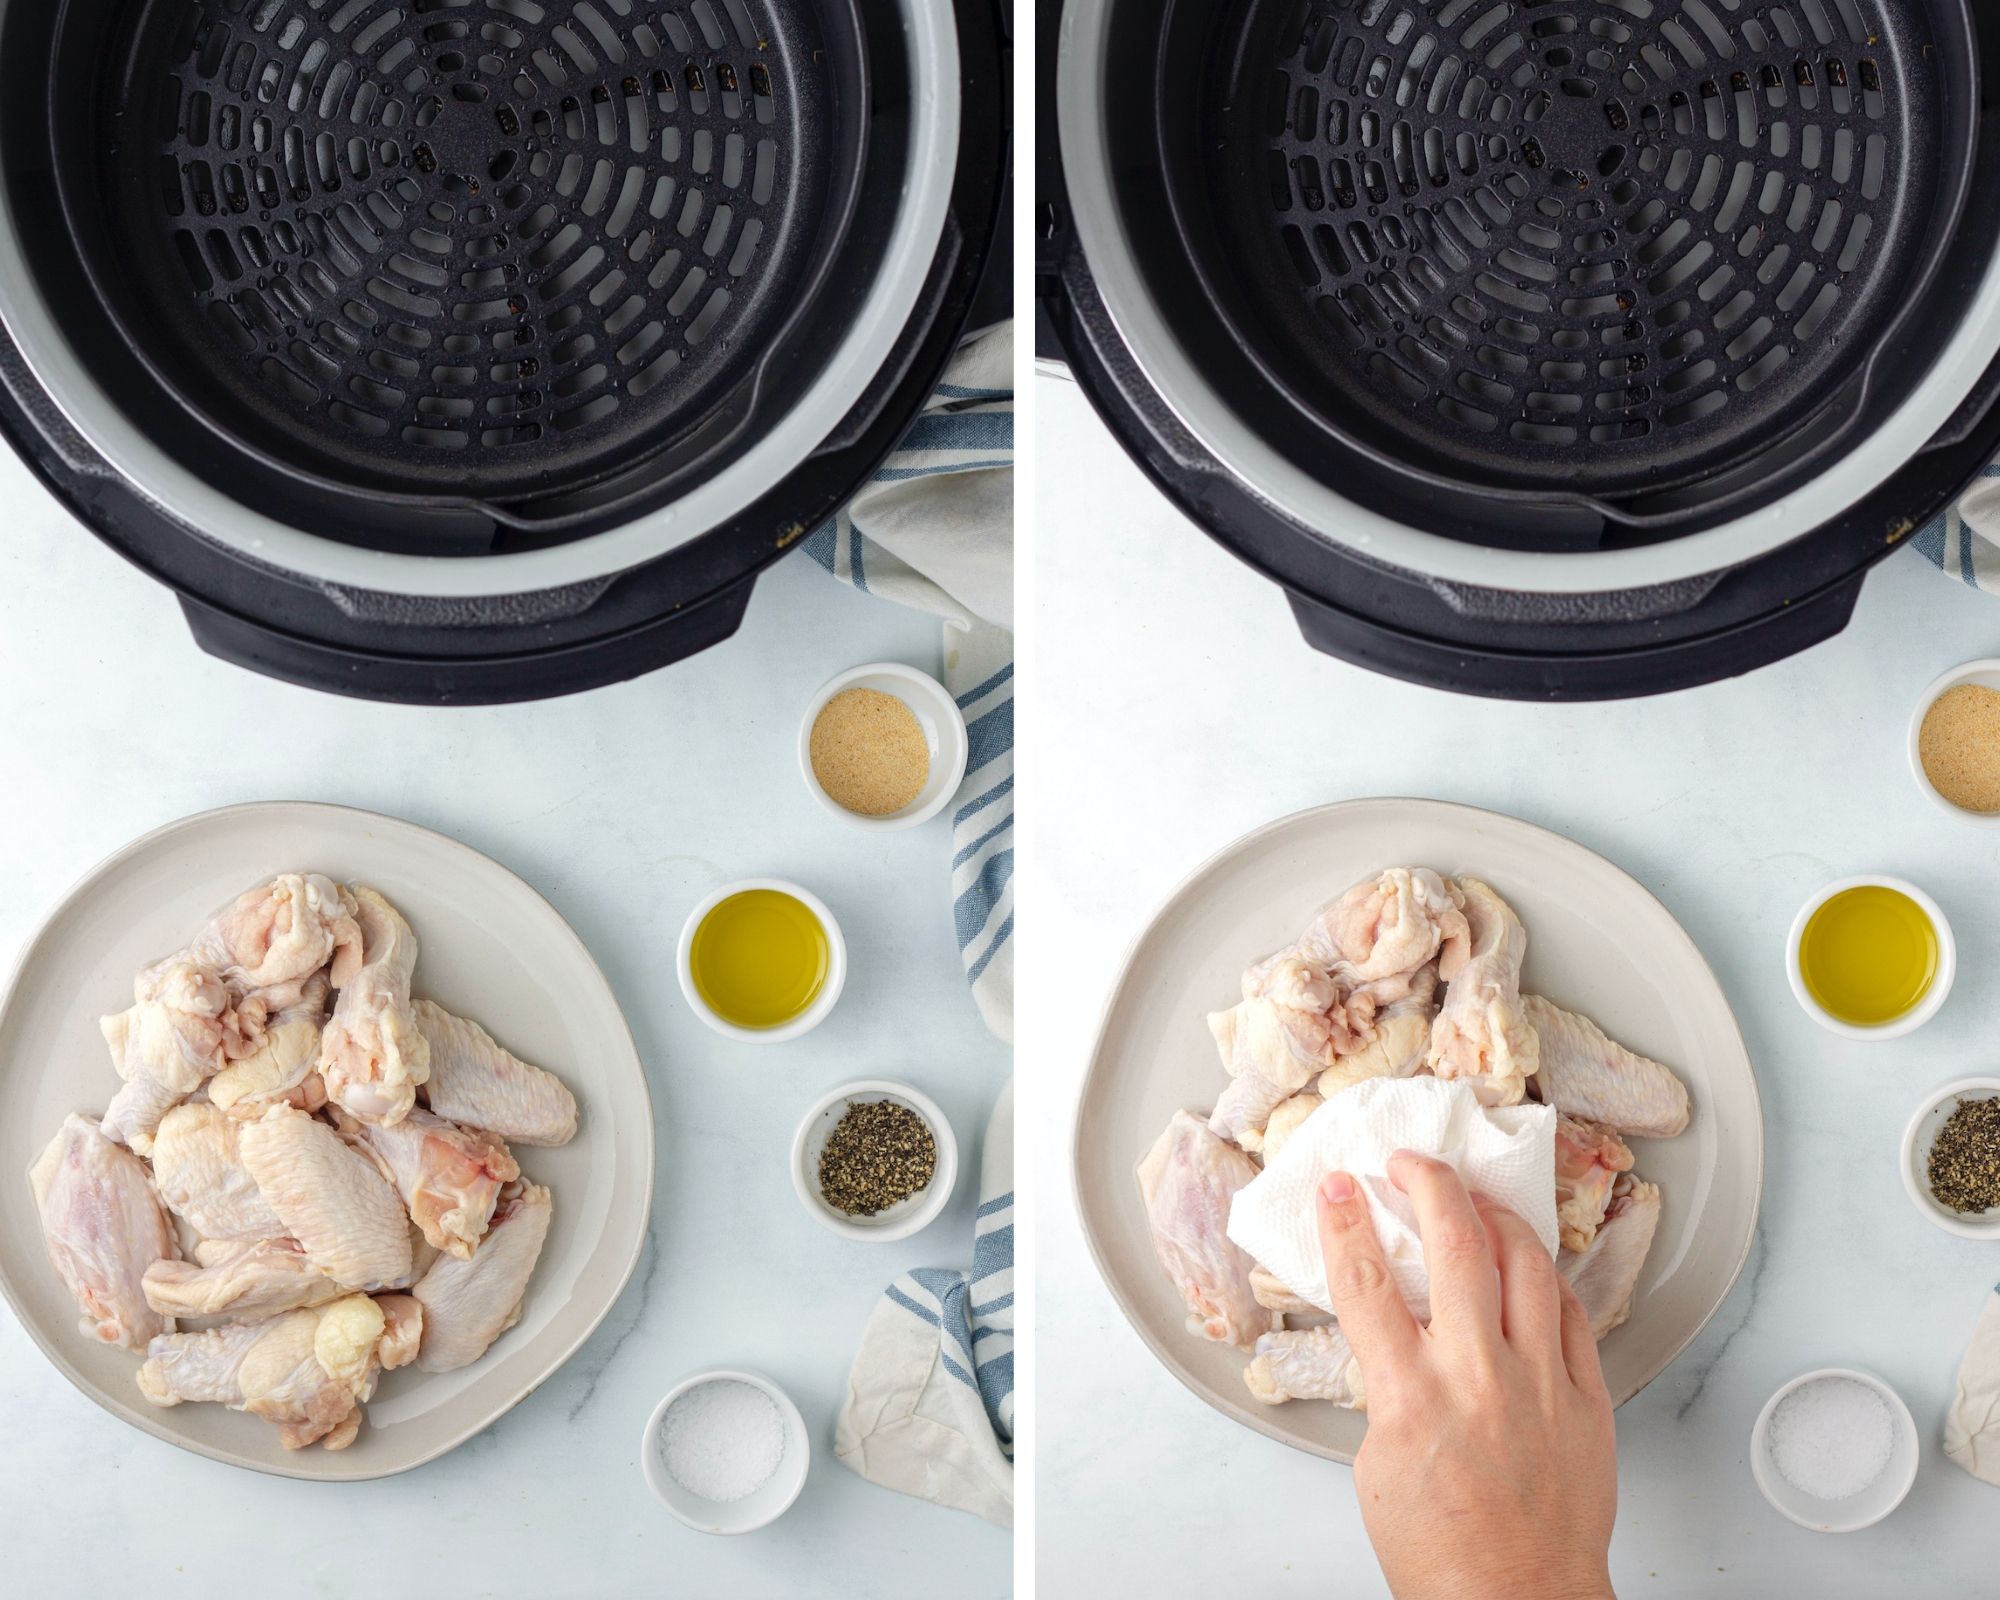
{"x": 1831, "y": 1438}
{"x": 722, "y": 1440}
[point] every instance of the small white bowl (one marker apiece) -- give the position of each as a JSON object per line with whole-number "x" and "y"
{"x": 1986, "y": 674}
{"x": 1917, "y": 1140}
{"x": 936, "y": 713}
{"x": 805, "y": 1021}
{"x": 1858, "y": 1511}
{"x": 906, "y": 1216}
{"x": 763, "y": 1505}
{"x": 1925, "y": 1009}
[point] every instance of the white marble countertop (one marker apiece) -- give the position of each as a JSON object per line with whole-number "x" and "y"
{"x": 1178, "y": 708}
{"x": 622, "y": 807}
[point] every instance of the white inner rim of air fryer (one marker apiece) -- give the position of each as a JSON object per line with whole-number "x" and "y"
{"x": 932, "y": 43}
{"x": 1236, "y": 444}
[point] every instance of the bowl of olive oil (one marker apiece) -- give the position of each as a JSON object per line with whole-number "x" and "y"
{"x": 1872, "y": 958}
{"x": 762, "y": 960}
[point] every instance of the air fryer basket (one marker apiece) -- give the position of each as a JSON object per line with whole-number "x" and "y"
{"x": 843, "y": 160}
{"x": 1143, "y": 116}
{"x": 455, "y": 276}
{"x": 1591, "y": 271}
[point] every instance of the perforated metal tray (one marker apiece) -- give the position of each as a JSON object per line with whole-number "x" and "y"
{"x": 1629, "y": 244}
{"x": 278, "y": 412}
{"x": 1576, "y": 297}
{"x": 1429, "y": 549}
{"x": 489, "y": 248}
{"x": 613, "y": 561}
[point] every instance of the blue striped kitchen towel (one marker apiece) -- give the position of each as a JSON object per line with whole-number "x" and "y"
{"x": 1964, "y": 541}
{"x": 935, "y": 530}
{"x": 930, "y": 1400}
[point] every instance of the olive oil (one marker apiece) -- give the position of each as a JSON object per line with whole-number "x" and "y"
{"x": 759, "y": 959}
{"x": 1869, "y": 955}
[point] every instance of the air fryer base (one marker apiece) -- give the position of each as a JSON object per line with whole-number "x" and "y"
{"x": 492, "y": 680}
{"x": 533, "y": 646}
{"x": 1489, "y": 642}
{"x": 651, "y": 617}
{"x": 1402, "y": 624}
{"x": 1618, "y": 675}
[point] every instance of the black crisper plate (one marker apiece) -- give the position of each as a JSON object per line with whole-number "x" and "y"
{"x": 1372, "y": 170}
{"x": 551, "y": 259}
{"x": 841, "y": 155}
{"x": 1652, "y": 252}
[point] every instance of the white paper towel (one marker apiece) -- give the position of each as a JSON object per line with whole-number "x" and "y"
{"x": 1508, "y": 1155}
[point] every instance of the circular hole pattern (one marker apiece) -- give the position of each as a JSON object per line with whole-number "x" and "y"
{"x": 466, "y": 230}
{"x": 1633, "y": 226}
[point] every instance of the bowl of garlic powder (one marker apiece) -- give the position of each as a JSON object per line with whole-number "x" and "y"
{"x": 883, "y": 746}
{"x": 1955, "y": 742}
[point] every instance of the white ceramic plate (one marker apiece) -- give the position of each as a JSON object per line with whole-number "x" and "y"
{"x": 489, "y": 947}
{"x": 1597, "y": 943}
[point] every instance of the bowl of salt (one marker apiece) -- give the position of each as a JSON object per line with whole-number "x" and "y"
{"x": 726, "y": 1451}
{"x": 1835, "y": 1450}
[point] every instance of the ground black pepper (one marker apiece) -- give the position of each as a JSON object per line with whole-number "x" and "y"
{"x": 878, "y": 1153}
{"x": 1964, "y": 1168}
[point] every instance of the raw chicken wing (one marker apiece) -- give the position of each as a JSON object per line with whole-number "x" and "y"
{"x": 240, "y": 1278}
{"x": 1402, "y": 1034}
{"x": 329, "y": 1197}
{"x": 477, "y": 1084}
{"x": 271, "y": 939}
{"x": 1311, "y": 996}
{"x": 103, "y": 1225}
{"x": 1286, "y": 1121}
{"x": 284, "y": 1066}
{"x": 180, "y": 1030}
{"x": 1270, "y": 1054}
{"x": 1187, "y": 1183}
{"x": 307, "y": 1371}
{"x": 1306, "y": 1364}
{"x": 1272, "y": 1045}
{"x": 422, "y": 1255}
{"x": 1351, "y": 1000}
{"x": 449, "y": 1177}
{"x": 372, "y": 1056}
{"x": 1273, "y": 1294}
{"x": 201, "y": 1177}
{"x": 1588, "y": 1162}
{"x": 470, "y": 1303}
{"x": 402, "y": 1330}
{"x": 1482, "y": 1034}
{"x": 1389, "y": 926}
{"x": 136, "y": 1111}
{"x": 1606, "y": 1275}
{"x": 199, "y": 1366}
{"x": 1588, "y": 1075}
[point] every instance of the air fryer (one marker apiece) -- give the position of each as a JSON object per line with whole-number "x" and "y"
{"x": 481, "y": 350}
{"x": 1571, "y": 350}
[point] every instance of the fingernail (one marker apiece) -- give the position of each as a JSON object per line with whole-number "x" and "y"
{"x": 1338, "y": 1187}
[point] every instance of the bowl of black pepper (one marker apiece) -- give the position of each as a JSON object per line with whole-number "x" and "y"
{"x": 875, "y": 1160}
{"x": 1951, "y": 1158}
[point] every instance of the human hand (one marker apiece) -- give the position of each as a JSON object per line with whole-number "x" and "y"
{"x": 1490, "y": 1469}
